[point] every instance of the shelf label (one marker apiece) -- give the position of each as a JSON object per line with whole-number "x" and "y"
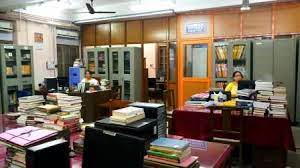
{"x": 196, "y": 28}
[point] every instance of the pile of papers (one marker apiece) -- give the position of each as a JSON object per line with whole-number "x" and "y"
{"x": 127, "y": 115}
{"x": 53, "y": 97}
{"x": 200, "y": 97}
{"x": 265, "y": 90}
{"x": 246, "y": 93}
{"x": 17, "y": 140}
{"x": 62, "y": 122}
{"x": 279, "y": 102}
{"x": 70, "y": 104}
{"x": 165, "y": 152}
{"x": 29, "y": 104}
{"x": 260, "y": 107}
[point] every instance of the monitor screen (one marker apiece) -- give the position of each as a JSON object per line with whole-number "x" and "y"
{"x": 111, "y": 150}
{"x": 246, "y": 84}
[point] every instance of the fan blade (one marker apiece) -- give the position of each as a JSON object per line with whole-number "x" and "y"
{"x": 90, "y": 8}
{"x": 104, "y": 12}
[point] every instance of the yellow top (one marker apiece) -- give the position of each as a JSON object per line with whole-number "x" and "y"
{"x": 232, "y": 87}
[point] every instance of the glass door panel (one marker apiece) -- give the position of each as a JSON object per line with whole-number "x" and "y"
{"x": 126, "y": 62}
{"x": 127, "y": 90}
{"x": 196, "y": 60}
{"x": 91, "y": 61}
{"x": 239, "y": 58}
{"x": 26, "y": 63}
{"x": 115, "y": 64}
{"x": 11, "y": 63}
{"x": 172, "y": 62}
{"x": 101, "y": 62}
{"x": 221, "y": 61}
{"x": 115, "y": 83}
{"x": 12, "y": 98}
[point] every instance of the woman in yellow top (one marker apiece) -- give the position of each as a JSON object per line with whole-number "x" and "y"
{"x": 233, "y": 86}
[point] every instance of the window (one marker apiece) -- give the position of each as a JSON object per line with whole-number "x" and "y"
{"x": 196, "y": 60}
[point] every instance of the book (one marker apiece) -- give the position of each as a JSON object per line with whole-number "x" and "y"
{"x": 128, "y": 111}
{"x": 126, "y": 120}
{"x": 171, "y": 143}
{"x": 171, "y": 156}
{"x": 186, "y": 164}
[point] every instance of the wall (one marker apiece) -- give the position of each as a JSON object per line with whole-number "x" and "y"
{"x": 25, "y": 36}
{"x": 150, "y": 53}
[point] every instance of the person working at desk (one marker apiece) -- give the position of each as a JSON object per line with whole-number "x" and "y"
{"x": 88, "y": 79}
{"x": 233, "y": 86}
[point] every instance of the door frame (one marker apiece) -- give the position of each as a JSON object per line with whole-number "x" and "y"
{"x": 181, "y": 79}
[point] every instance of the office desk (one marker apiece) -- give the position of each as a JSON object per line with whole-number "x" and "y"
{"x": 89, "y": 110}
{"x": 193, "y": 122}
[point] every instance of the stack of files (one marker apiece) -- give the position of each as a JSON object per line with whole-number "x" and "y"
{"x": 200, "y": 97}
{"x": 69, "y": 121}
{"x": 245, "y": 104}
{"x": 265, "y": 90}
{"x": 19, "y": 139}
{"x": 48, "y": 108}
{"x": 165, "y": 152}
{"x": 246, "y": 92}
{"x": 53, "y": 97}
{"x": 260, "y": 107}
{"x": 70, "y": 104}
{"x": 127, "y": 115}
{"x": 29, "y": 104}
{"x": 278, "y": 105}
{"x": 280, "y": 91}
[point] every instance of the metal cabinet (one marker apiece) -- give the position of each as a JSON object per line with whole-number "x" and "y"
{"x": 97, "y": 62}
{"x": 263, "y": 60}
{"x": 285, "y": 68}
{"x": 17, "y": 77}
{"x": 126, "y": 71}
{"x": 221, "y": 72}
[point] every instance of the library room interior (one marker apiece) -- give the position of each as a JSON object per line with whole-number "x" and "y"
{"x": 149, "y": 83}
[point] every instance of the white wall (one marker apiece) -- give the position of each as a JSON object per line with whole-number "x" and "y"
{"x": 150, "y": 53}
{"x": 25, "y": 36}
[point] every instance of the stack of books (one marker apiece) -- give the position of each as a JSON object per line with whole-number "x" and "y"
{"x": 29, "y": 104}
{"x": 260, "y": 108}
{"x": 62, "y": 122}
{"x": 127, "y": 115}
{"x": 246, "y": 93}
{"x": 19, "y": 139}
{"x": 165, "y": 152}
{"x": 53, "y": 97}
{"x": 265, "y": 90}
{"x": 279, "y": 102}
{"x": 70, "y": 104}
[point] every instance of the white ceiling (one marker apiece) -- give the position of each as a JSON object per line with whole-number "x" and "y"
{"x": 68, "y": 9}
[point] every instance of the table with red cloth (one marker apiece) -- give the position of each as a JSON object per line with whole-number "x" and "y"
{"x": 193, "y": 122}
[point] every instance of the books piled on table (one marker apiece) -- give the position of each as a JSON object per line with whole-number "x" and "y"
{"x": 53, "y": 97}
{"x": 200, "y": 97}
{"x": 127, "y": 115}
{"x": 48, "y": 109}
{"x": 165, "y": 152}
{"x": 70, "y": 104}
{"x": 62, "y": 122}
{"x": 260, "y": 108}
{"x": 279, "y": 102}
{"x": 19, "y": 139}
{"x": 29, "y": 104}
{"x": 265, "y": 90}
{"x": 246, "y": 92}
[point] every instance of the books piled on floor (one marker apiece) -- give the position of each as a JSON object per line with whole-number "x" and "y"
{"x": 19, "y": 139}
{"x": 259, "y": 108}
{"x": 265, "y": 90}
{"x": 166, "y": 152}
{"x": 29, "y": 104}
{"x": 279, "y": 102}
{"x": 70, "y": 104}
{"x": 127, "y": 115}
{"x": 61, "y": 122}
{"x": 53, "y": 97}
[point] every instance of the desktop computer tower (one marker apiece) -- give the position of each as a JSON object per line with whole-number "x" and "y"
{"x": 155, "y": 111}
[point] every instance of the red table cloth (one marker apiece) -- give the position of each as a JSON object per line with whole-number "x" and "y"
{"x": 193, "y": 122}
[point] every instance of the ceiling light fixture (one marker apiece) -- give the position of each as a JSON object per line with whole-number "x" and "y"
{"x": 245, "y": 5}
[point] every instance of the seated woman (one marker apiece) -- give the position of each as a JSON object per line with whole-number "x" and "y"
{"x": 93, "y": 83}
{"x": 233, "y": 86}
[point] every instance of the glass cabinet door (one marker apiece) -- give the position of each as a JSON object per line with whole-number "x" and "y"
{"x": 126, "y": 62}
{"x": 26, "y": 63}
{"x": 239, "y": 58}
{"x": 196, "y": 60}
{"x": 221, "y": 61}
{"x": 91, "y": 61}
{"x": 127, "y": 90}
{"x": 115, "y": 62}
{"x": 101, "y": 62}
{"x": 12, "y": 98}
{"x": 11, "y": 63}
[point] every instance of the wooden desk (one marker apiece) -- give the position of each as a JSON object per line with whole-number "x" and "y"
{"x": 89, "y": 110}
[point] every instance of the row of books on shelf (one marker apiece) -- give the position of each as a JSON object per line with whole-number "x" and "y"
{"x": 166, "y": 153}
{"x": 237, "y": 52}
{"x": 221, "y": 70}
{"x": 221, "y": 52}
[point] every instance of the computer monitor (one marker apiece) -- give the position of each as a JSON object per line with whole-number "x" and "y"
{"x": 111, "y": 150}
{"x": 246, "y": 84}
{"x": 51, "y": 84}
{"x": 63, "y": 82}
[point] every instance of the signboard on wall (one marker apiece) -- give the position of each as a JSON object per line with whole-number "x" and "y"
{"x": 196, "y": 28}
{"x": 38, "y": 40}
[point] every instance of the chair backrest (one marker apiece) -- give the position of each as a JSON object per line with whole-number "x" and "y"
{"x": 169, "y": 99}
{"x": 116, "y": 92}
{"x": 228, "y": 126}
{"x": 151, "y": 82}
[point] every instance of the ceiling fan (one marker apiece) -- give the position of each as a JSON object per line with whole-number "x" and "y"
{"x": 91, "y": 9}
